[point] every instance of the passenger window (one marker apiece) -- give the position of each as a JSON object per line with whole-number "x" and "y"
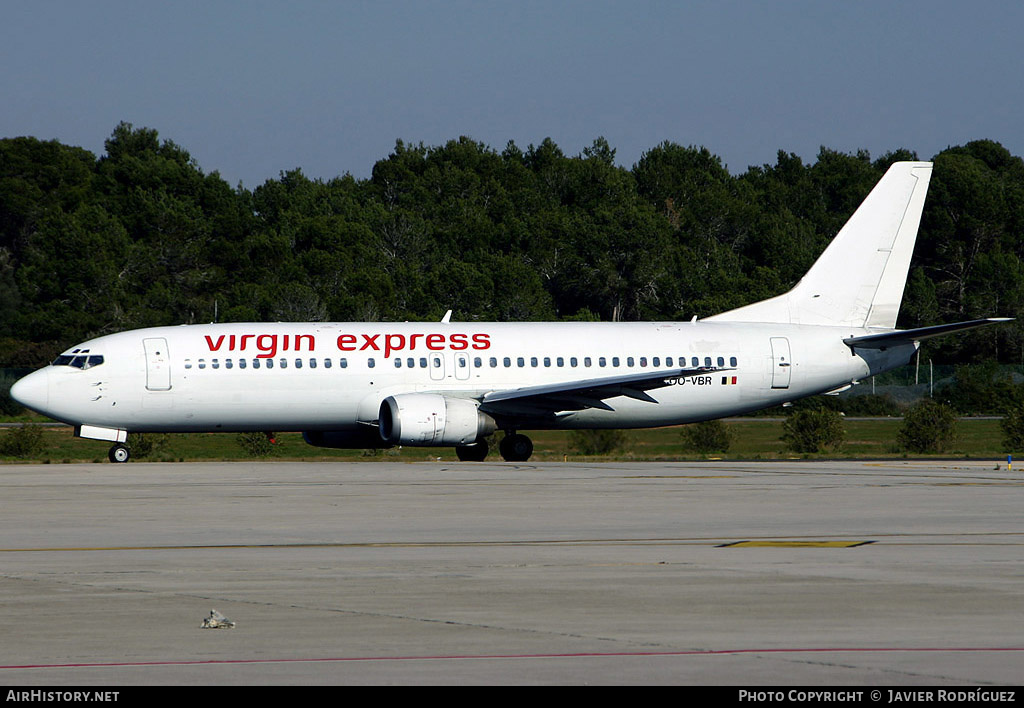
{"x": 732, "y": 361}
{"x": 410, "y": 363}
{"x": 493, "y": 361}
{"x": 241, "y": 363}
{"x": 560, "y": 361}
{"x": 312, "y": 363}
{"x": 507, "y": 361}
{"x": 643, "y": 361}
{"x": 573, "y": 362}
{"x": 398, "y": 363}
{"x": 255, "y": 363}
{"x": 370, "y": 363}
{"x": 228, "y": 364}
{"x": 668, "y": 361}
{"x": 284, "y": 363}
{"x": 656, "y": 361}
{"x": 615, "y": 361}
{"x": 423, "y": 362}
{"x": 707, "y": 361}
{"x": 215, "y": 363}
{"x": 520, "y": 361}
{"x": 630, "y": 361}
{"x": 343, "y": 362}
{"x": 721, "y": 361}
{"x": 694, "y": 362}
{"x": 269, "y": 363}
{"x": 601, "y": 361}
{"x": 188, "y": 363}
{"x": 478, "y": 362}
{"x": 298, "y": 363}
{"x": 328, "y": 363}
{"x": 547, "y": 361}
{"x": 586, "y": 361}
{"x": 202, "y": 363}
{"x": 533, "y": 361}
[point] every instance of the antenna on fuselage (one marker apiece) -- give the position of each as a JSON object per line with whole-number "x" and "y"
{"x": 447, "y": 317}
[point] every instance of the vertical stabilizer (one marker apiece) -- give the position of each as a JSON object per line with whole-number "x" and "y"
{"x": 858, "y": 281}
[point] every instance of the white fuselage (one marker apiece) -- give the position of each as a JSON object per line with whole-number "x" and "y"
{"x": 320, "y": 376}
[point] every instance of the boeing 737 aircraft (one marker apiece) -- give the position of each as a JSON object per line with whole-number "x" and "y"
{"x": 365, "y": 385}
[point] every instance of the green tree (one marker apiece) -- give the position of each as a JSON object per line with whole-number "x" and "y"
{"x": 598, "y": 442}
{"x": 707, "y": 437}
{"x": 928, "y": 427}
{"x": 23, "y": 441}
{"x": 1012, "y": 426}
{"x": 811, "y": 430}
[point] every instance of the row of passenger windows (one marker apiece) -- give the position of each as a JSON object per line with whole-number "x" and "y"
{"x": 282, "y": 363}
{"x": 643, "y": 362}
{"x": 462, "y": 361}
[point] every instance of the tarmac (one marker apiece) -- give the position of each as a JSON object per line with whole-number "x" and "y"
{"x": 798, "y": 573}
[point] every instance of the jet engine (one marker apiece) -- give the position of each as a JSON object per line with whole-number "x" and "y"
{"x": 424, "y": 419}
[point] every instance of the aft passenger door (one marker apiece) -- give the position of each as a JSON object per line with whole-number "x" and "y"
{"x": 158, "y": 367}
{"x": 782, "y": 366}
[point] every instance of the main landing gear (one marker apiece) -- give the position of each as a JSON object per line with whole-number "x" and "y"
{"x": 119, "y": 453}
{"x": 514, "y": 447}
{"x": 475, "y": 452}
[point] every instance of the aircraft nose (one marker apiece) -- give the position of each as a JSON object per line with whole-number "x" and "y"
{"x": 32, "y": 391}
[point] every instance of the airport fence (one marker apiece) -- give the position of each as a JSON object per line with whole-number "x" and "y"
{"x": 972, "y": 389}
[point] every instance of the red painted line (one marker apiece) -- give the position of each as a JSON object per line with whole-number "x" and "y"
{"x": 579, "y": 655}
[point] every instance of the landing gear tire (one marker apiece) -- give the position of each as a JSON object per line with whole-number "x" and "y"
{"x": 516, "y": 448}
{"x": 119, "y": 453}
{"x": 474, "y": 452}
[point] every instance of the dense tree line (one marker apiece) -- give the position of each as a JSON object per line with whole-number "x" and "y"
{"x": 142, "y": 236}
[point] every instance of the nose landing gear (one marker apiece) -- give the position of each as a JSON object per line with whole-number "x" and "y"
{"x": 119, "y": 453}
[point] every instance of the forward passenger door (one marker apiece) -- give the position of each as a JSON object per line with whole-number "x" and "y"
{"x": 158, "y": 366}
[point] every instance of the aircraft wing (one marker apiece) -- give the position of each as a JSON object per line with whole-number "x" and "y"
{"x": 909, "y": 336}
{"x": 586, "y": 393}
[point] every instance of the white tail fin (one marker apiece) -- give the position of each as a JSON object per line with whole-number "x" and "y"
{"x": 858, "y": 281}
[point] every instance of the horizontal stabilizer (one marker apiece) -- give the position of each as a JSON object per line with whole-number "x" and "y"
{"x": 909, "y": 336}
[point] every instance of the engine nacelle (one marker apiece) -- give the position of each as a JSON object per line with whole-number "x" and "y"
{"x": 425, "y": 419}
{"x": 364, "y": 438}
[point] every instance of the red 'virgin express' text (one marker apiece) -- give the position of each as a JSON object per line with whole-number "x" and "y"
{"x": 269, "y": 345}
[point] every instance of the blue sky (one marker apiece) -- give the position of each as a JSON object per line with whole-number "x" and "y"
{"x": 254, "y": 88}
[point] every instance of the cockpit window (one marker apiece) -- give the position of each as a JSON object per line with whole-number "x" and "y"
{"x": 79, "y": 361}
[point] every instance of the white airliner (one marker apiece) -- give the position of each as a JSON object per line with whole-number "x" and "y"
{"x": 364, "y": 385}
